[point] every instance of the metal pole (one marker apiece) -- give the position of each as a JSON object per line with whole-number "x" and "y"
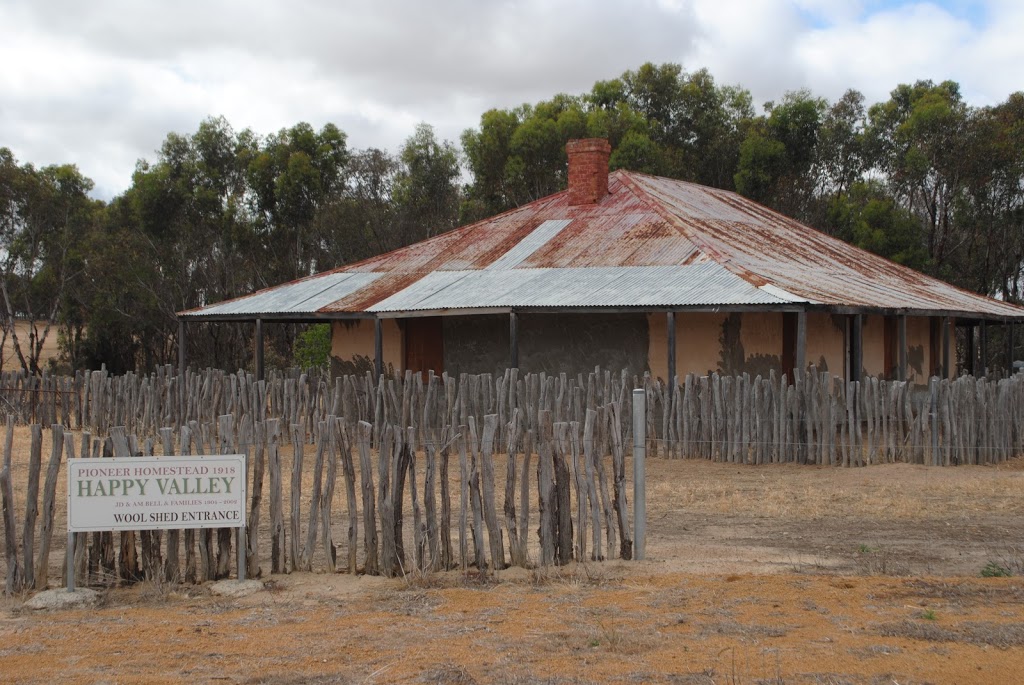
{"x": 241, "y": 543}
{"x": 671, "y": 320}
{"x": 71, "y": 561}
{"x": 513, "y": 340}
{"x": 639, "y": 473}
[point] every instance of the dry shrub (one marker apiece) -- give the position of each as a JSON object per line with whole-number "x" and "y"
{"x": 737, "y": 629}
{"x": 627, "y": 641}
{"x": 448, "y": 674}
{"x": 880, "y": 562}
{"x": 291, "y": 679}
{"x": 574, "y": 576}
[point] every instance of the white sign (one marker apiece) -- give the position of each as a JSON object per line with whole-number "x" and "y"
{"x": 148, "y": 493}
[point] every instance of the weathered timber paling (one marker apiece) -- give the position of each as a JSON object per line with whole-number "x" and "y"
{"x": 575, "y": 424}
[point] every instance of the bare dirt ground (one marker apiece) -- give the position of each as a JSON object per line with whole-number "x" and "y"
{"x": 771, "y": 574}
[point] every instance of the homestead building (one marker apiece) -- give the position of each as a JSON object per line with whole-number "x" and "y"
{"x": 627, "y": 270}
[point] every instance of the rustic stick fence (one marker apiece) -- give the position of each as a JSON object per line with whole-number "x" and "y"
{"x": 552, "y": 447}
{"x": 816, "y": 418}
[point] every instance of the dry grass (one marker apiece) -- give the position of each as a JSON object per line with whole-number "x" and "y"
{"x": 983, "y": 633}
{"x": 736, "y": 615}
{"x": 893, "y": 491}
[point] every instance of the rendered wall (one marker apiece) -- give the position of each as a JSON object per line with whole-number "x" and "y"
{"x": 919, "y": 359}
{"x": 750, "y": 342}
{"x": 352, "y": 346}
{"x": 826, "y": 342}
{"x": 697, "y": 343}
{"x": 873, "y": 350}
{"x": 726, "y": 343}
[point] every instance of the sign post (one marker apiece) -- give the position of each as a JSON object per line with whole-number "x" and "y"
{"x": 155, "y": 493}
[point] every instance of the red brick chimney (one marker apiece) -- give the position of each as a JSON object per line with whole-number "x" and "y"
{"x": 588, "y": 170}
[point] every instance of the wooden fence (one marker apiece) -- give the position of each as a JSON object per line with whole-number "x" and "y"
{"x": 818, "y": 418}
{"x": 551, "y": 447}
{"x": 416, "y": 510}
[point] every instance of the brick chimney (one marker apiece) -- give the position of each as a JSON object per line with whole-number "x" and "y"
{"x": 588, "y": 170}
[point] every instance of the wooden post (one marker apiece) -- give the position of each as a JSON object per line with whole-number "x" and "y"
{"x": 370, "y": 564}
{"x": 1009, "y": 347}
{"x": 983, "y": 349}
{"x": 15, "y": 573}
{"x": 901, "y": 327}
{"x": 49, "y": 496}
{"x": 639, "y": 475}
{"x": 181, "y": 345}
{"x": 378, "y": 348}
{"x": 856, "y": 346}
{"x": 945, "y": 346}
{"x": 800, "y": 353}
{"x": 259, "y": 350}
{"x": 32, "y": 506}
{"x": 933, "y": 412}
{"x": 971, "y": 353}
{"x": 513, "y": 340}
{"x": 671, "y": 320}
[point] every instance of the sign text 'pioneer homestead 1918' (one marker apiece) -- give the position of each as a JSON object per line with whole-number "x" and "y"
{"x": 138, "y": 493}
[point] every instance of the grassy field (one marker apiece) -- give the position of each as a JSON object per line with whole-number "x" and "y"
{"x": 772, "y": 574}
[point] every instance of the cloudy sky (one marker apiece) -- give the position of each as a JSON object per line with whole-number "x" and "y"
{"x": 101, "y": 83}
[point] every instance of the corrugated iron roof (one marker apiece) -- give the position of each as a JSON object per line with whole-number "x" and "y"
{"x": 651, "y": 242}
{"x": 530, "y": 243}
{"x": 628, "y": 286}
{"x": 305, "y": 296}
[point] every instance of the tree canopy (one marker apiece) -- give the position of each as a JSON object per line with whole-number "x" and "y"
{"x": 922, "y": 178}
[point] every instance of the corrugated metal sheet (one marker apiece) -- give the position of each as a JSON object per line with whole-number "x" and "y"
{"x": 535, "y": 240}
{"x": 756, "y": 242}
{"x": 305, "y": 296}
{"x": 711, "y": 246}
{"x": 632, "y": 286}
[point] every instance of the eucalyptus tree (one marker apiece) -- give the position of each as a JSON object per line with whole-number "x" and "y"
{"x": 44, "y": 214}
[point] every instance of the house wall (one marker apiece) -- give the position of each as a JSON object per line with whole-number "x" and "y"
{"x": 750, "y": 342}
{"x": 475, "y": 344}
{"x": 918, "y": 352}
{"x": 873, "y": 350}
{"x": 698, "y": 349}
{"x": 352, "y": 345}
{"x": 553, "y": 343}
{"x": 826, "y": 342}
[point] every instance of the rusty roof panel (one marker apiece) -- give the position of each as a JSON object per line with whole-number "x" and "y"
{"x": 753, "y": 240}
{"x": 654, "y": 286}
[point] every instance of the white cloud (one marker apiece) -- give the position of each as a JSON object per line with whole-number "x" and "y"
{"x": 100, "y": 84}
